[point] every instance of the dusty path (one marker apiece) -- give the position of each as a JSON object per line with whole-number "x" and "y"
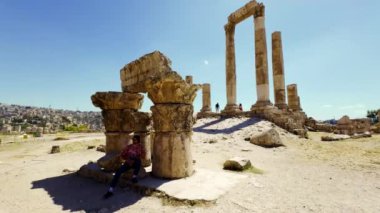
{"x": 304, "y": 176}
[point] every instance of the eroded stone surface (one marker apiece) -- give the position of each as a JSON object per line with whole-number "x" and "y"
{"x": 172, "y": 117}
{"x": 126, "y": 121}
{"x": 170, "y": 88}
{"x": 237, "y": 164}
{"x": 349, "y": 126}
{"x": 117, "y": 100}
{"x": 268, "y": 139}
{"x": 115, "y": 142}
{"x": 172, "y": 155}
{"x": 134, "y": 74}
{"x": 110, "y": 162}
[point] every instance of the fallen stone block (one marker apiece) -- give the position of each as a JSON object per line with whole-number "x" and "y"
{"x": 237, "y": 164}
{"x": 268, "y": 139}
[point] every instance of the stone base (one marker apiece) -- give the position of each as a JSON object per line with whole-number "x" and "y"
{"x": 281, "y": 106}
{"x": 260, "y": 105}
{"x": 206, "y": 109}
{"x": 93, "y": 171}
{"x": 230, "y": 110}
{"x": 207, "y": 115}
{"x": 171, "y": 155}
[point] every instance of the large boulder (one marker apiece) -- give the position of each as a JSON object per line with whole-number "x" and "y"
{"x": 268, "y": 139}
{"x": 237, "y": 164}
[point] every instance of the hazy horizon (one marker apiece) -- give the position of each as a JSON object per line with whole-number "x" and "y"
{"x": 59, "y": 53}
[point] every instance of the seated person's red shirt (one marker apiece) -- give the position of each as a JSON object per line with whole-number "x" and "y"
{"x": 132, "y": 152}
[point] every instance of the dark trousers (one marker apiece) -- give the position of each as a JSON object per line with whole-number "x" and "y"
{"x": 135, "y": 166}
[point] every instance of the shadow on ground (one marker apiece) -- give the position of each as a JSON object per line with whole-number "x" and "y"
{"x": 75, "y": 193}
{"x": 230, "y": 130}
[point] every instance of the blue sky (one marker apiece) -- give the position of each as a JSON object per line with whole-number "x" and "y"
{"x": 58, "y": 53}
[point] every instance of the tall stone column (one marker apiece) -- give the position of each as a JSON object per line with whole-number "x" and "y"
{"x": 206, "y": 99}
{"x": 230, "y": 69}
{"x": 293, "y": 98}
{"x": 172, "y": 122}
{"x": 261, "y": 58}
{"x": 278, "y": 71}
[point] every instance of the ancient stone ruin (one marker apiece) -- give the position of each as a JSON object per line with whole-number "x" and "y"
{"x": 172, "y": 117}
{"x": 349, "y": 126}
{"x": 289, "y": 116}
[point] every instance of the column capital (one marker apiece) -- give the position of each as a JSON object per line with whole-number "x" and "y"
{"x": 259, "y": 10}
{"x": 229, "y": 28}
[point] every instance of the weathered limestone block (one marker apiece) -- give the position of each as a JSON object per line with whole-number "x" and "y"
{"x": 170, "y": 88}
{"x": 117, "y": 100}
{"x": 126, "y": 121}
{"x": 134, "y": 74}
{"x": 172, "y": 155}
{"x": 268, "y": 139}
{"x": 242, "y": 13}
{"x": 110, "y": 162}
{"x": 206, "y": 98}
{"x": 94, "y": 171}
{"x": 135, "y": 121}
{"x": 172, "y": 117}
{"x": 293, "y": 99}
{"x": 115, "y": 142}
{"x": 237, "y": 164}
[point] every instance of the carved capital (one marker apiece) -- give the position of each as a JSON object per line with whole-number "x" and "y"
{"x": 229, "y": 28}
{"x": 259, "y": 10}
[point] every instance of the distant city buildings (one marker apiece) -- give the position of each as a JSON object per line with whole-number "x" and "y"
{"x": 35, "y": 120}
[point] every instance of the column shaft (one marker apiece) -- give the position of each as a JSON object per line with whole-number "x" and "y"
{"x": 293, "y": 99}
{"x": 230, "y": 65}
{"x": 206, "y": 98}
{"x": 261, "y": 58}
{"x": 278, "y": 71}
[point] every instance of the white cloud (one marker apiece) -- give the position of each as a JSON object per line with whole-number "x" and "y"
{"x": 355, "y": 106}
{"x": 206, "y": 62}
{"x": 327, "y": 106}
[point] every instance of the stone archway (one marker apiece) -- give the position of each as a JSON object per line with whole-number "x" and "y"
{"x": 257, "y": 10}
{"x": 172, "y": 112}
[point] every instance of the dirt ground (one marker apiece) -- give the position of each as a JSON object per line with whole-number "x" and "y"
{"x": 307, "y": 175}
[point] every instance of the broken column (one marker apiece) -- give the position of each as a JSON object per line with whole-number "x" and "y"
{"x": 293, "y": 99}
{"x": 121, "y": 121}
{"x": 278, "y": 71}
{"x": 261, "y": 59}
{"x": 189, "y": 79}
{"x": 172, "y": 121}
{"x": 206, "y": 100}
{"x": 230, "y": 69}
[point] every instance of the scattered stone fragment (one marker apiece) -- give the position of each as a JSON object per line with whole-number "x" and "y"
{"x": 69, "y": 170}
{"x": 55, "y": 149}
{"x": 302, "y": 133}
{"x": 364, "y": 135}
{"x": 237, "y": 164}
{"x": 91, "y": 147}
{"x": 101, "y": 148}
{"x": 268, "y": 139}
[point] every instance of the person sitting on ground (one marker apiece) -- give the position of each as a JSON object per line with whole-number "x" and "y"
{"x": 131, "y": 155}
